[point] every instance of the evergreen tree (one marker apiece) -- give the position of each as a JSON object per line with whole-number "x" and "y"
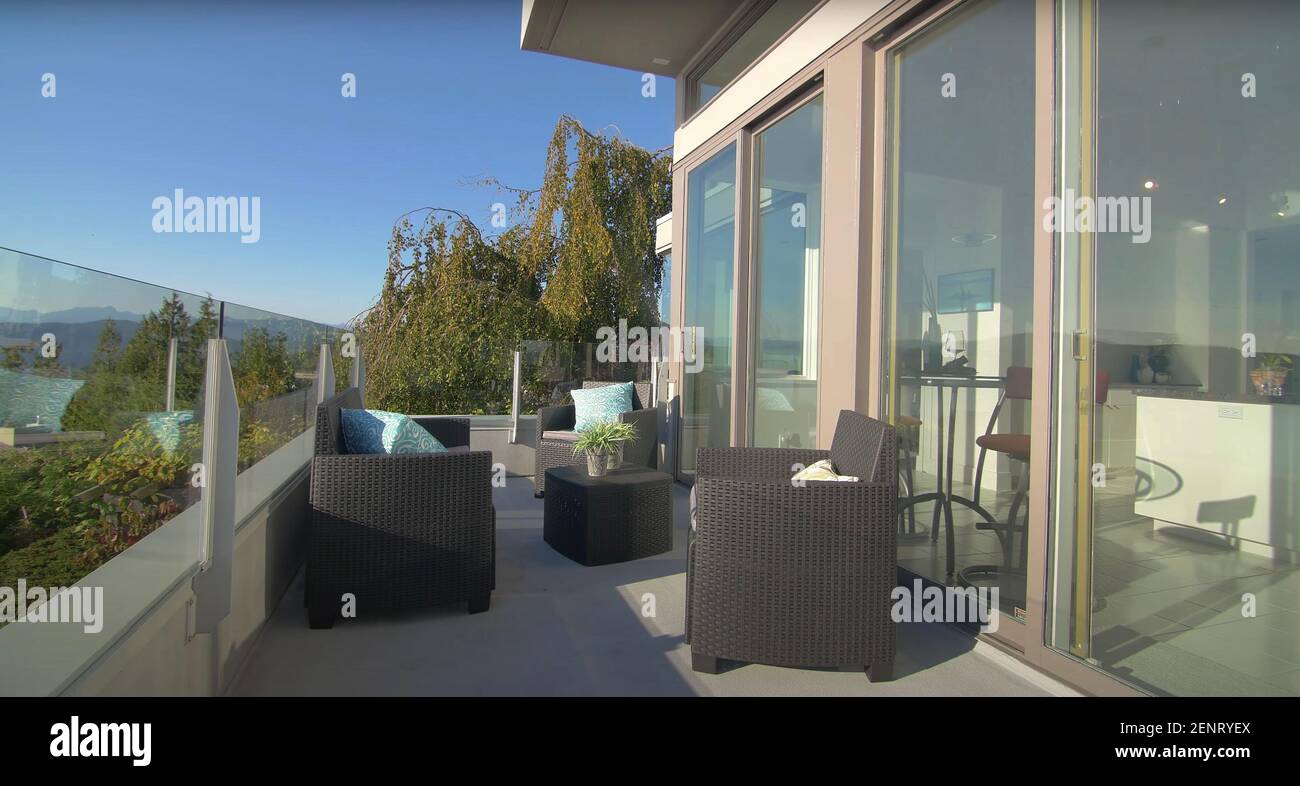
{"x": 262, "y": 368}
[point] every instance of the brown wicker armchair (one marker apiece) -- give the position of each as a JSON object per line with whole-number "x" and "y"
{"x": 795, "y": 575}
{"x": 398, "y": 531}
{"x": 555, "y": 435}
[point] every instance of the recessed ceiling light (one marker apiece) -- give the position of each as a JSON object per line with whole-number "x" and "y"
{"x": 1281, "y": 214}
{"x": 660, "y": 61}
{"x": 1151, "y": 185}
{"x": 1223, "y": 200}
{"x": 973, "y": 238}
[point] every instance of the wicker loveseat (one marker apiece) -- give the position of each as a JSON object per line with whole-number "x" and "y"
{"x": 398, "y": 531}
{"x": 792, "y": 575}
{"x": 555, "y": 435}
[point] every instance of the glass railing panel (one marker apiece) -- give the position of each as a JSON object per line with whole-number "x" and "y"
{"x": 97, "y": 449}
{"x": 273, "y": 359}
{"x": 548, "y": 370}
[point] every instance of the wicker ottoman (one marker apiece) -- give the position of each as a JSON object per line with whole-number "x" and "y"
{"x": 625, "y": 515}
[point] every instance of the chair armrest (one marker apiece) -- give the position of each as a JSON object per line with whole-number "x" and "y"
{"x": 756, "y": 463}
{"x": 451, "y": 432}
{"x": 560, "y": 418}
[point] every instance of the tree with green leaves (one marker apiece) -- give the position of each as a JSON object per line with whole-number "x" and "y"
{"x": 579, "y": 255}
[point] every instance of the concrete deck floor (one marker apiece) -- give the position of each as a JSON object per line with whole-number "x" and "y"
{"x": 557, "y": 628}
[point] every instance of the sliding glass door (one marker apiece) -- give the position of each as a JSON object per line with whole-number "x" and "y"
{"x": 786, "y": 279}
{"x": 1177, "y": 512}
{"x": 777, "y": 303}
{"x": 958, "y": 298}
{"x": 709, "y": 307}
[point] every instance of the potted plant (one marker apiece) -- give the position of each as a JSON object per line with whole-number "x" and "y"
{"x": 1159, "y": 360}
{"x": 1270, "y": 373}
{"x": 603, "y": 445}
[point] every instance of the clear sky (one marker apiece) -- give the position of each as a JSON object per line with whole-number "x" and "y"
{"x": 243, "y": 99}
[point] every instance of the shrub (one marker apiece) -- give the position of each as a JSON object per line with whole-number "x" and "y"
{"x": 137, "y": 460}
{"x": 37, "y": 491}
{"x": 122, "y": 521}
{"x": 54, "y": 561}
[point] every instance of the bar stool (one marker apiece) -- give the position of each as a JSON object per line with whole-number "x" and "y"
{"x": 1016, "y": 447}
{"x": 908, "y": 429}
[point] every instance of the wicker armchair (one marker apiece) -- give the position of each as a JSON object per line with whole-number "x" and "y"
{"x": 555, "y": 435}
{"x": 398, "y": 531}
{"x": 795, "y": 576}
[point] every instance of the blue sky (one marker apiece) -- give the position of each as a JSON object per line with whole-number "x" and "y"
{"x": 244, "y": 99}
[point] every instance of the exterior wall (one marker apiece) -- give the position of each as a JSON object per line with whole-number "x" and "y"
{"x": 829, "y": 44}
{"x": 818, "y": 34}
{"x": 155, "y": 659}
{"x": 832, "y": 44}
{"x": 846, "y": 239}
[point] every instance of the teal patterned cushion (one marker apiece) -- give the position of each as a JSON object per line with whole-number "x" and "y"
{"x": 376, "y": 431}
{"x": 166, "y": 427}
{"x": 600, "y": 405}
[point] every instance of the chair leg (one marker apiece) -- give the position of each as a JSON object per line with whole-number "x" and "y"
{"x": 480, "y": 603}
{"x": 705, "y": 664}
{"x": 880, "y": 671}
{"x": 1022, "y": 491}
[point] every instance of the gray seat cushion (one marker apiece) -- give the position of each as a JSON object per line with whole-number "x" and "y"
{"x": 564, "y": 436}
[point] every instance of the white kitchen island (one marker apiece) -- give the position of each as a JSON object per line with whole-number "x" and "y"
{"x": 1225, "y": 465}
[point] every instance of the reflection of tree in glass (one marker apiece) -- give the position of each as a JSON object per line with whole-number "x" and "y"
{"x": 124, "y": 382}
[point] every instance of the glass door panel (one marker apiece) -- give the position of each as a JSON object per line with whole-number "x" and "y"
{"x": 787, "y": 279}
{"x": 709, "y": 306}
{"x": 1174, "y": 550}
{"x": 959, "y": 293}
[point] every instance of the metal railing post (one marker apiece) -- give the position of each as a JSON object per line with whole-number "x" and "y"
{"x": 515, "y": 400}
{"x": 358, "y": 377}
{"x": 220, "y": 466}
{"x": 171, "y": 374}
{"x": 323, "y": 387}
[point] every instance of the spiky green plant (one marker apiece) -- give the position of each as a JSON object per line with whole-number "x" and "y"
{"x": 604, "y": 438}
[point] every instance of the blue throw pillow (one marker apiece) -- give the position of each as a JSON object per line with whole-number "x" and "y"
{"x": 166, "y": 427}
{"x": 376, "y": 431}
{"x": 600, "y": 405}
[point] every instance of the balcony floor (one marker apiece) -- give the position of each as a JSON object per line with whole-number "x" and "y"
{"x": 557, "y": 628}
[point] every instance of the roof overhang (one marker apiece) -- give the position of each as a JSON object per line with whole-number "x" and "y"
{"x": 650, "y": 37}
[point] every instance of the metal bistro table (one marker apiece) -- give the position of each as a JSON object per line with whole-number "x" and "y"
{"x": 943, "y": 495}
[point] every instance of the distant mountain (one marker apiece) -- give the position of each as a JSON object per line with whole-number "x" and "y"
{"x": 78, "y": 340}
{"x": 68, "y": 316}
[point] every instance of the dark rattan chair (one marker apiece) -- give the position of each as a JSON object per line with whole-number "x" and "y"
{"x": 793, "y": 575}
{"x": 398, "y": 531}
{"x": 555, "y": 449}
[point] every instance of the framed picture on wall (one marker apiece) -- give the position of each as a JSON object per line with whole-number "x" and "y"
{"x": 968, "y": 291}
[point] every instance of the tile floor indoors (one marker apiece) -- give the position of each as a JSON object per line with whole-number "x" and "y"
{"x": 1168, "y": 603}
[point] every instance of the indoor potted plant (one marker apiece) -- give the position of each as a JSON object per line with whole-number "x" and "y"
{"x": 1160, "y": 360}
{"x": 1269, "y": 374}
{"x": 603, "y": 445}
